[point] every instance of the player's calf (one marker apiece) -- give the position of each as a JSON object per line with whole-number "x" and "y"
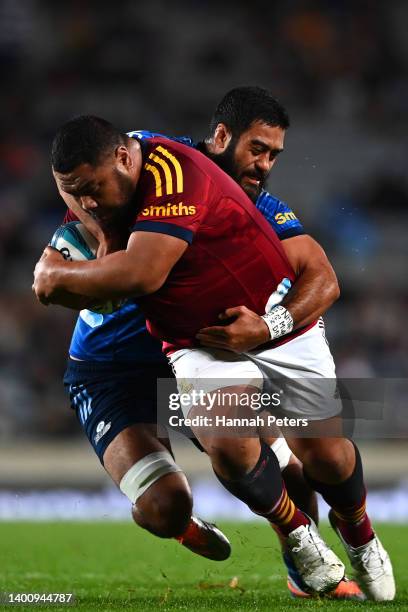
{"x": 162, "y": 504}
{"x": 260, "y": 484}
{"x": 347, "y": 499}
{"x": 305, "y": 499}
{"x": 160, "y": 494}
{"x": 165, "y": 508}
{"x": 299, "y": 490}
{"x": 263, "y": 490}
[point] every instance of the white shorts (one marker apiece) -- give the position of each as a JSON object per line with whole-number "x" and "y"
{"x": 302, "y": 371}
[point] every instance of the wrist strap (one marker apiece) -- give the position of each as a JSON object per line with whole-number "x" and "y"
{"x": 279, "y": 322}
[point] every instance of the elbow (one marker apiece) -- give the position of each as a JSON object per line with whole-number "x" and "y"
{"x": 144, "y": 285}
{"x": 337, "y": 291}
{"x": 333, "y": 290}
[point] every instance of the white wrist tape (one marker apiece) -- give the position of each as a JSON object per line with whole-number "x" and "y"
{"x": 279, "y": 322}
{"x": 146, "y": 472}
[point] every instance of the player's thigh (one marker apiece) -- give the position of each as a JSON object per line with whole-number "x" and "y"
{"x": 108, "y": 400}
{"x": 210, "y": 380}
{"x": 117, "y": 409}
{"x": 230, "y": 437}
{"x": 325, "y": 434}
{"x": 223, "y": 418}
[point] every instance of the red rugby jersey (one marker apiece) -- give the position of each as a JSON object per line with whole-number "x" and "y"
{"x": 234, "y": 257}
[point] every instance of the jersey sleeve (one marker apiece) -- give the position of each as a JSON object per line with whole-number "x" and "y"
{"x": 175, "y": 195}
{"x": 280, "y": 216}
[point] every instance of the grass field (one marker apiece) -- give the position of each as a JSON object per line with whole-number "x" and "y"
{"x": 115, "y": 566}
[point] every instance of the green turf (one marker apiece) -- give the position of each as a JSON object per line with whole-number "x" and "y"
{"x": 114, "y": 566}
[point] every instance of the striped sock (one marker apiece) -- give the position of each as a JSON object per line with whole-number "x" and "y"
{"x": 354, "y": 524}
{"x": 348, "y": 502}
{"x": 285, "y": 516}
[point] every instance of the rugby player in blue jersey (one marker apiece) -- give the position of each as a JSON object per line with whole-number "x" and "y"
{"x": 237, "y": 155}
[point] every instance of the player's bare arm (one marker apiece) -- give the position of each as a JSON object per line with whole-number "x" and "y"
{"x": 141, "y": 269}
{"x": 316, "y": 287}
{"x": 315, "y": 290}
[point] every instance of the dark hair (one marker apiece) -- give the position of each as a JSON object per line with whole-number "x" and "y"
{"x": 84, "y": 139}
{"x": 241, "y": 106}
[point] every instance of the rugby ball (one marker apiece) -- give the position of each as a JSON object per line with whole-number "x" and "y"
{"x": 75, "y": 243}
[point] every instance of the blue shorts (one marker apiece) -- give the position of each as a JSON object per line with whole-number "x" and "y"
{"x": 109, "y": 397}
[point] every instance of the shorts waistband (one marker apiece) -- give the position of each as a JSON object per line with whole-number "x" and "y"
{"x": 74, "y": 365}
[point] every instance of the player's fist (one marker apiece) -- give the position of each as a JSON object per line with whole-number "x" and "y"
{"x": 46, "y": 275}
{"x": 245, "y": 331}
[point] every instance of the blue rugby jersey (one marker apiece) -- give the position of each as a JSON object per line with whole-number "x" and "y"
{"x": 122, "y": 336}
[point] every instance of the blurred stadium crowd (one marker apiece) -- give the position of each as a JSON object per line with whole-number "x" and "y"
{"x": 340, "y": 67}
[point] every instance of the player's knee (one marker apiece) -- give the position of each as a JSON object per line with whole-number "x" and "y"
{"x": 232, "y": 458}
{"x": 165, "y": 508}
{"x": 330, "y": 460}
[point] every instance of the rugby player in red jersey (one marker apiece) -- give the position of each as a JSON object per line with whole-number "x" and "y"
{"x": 233, "y": 259}
{"x": 103, "y": 354}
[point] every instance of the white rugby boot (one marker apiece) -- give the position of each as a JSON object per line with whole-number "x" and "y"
{"x": 372, "y": 566}
{"x": 319, "y": 567}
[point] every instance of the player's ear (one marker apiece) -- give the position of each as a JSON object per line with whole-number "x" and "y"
{"x": 222, "y": 138}
{"x": 123, "y": 157}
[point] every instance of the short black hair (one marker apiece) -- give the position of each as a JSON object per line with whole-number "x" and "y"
{"x": 241, "y": 106}
{"x": 83, "y": 140}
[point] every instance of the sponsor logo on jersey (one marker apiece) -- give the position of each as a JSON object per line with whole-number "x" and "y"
{"x": 166, "y": 170}
{"x": 282, "y": 218}
{"x": 101, "y": 429}
{"x": 169, "y": 210}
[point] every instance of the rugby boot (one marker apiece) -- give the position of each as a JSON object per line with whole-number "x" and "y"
{"x": 205, "y": 539}
{"x": 317, "y": 565}
{"x": 346, "y": 589}
{"x": 372, "y": 566}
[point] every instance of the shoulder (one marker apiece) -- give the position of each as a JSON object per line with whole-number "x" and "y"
{"x": 147, "y": 135}
{"x": 282, "y": 218}
{"x": 175, "y": 149}
{"x": 272, "y": 207}
{"x": 176, "y": 166}
{"x": 268, "y": 202}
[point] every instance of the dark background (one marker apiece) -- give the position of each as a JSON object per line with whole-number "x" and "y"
{"x": 340, "y": 68}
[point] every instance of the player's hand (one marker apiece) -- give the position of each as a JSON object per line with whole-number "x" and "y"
{"x": 46, "y": 272}
{"x": 246, "y": 332}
